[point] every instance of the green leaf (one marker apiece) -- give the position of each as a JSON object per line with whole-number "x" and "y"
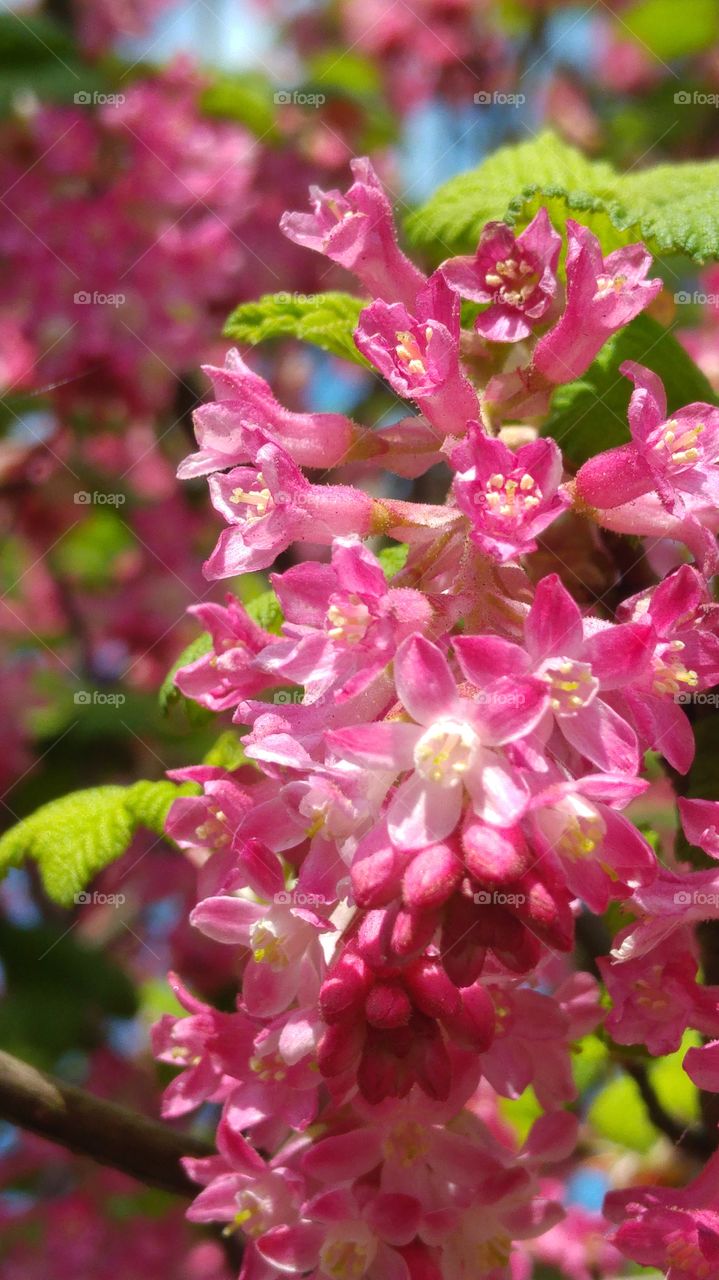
{"x": 452, "y": 220}
{"x": 393, "y": 558}
{"x": 265, "y": 610}
{"x": 169, "y": 694}
{"x": 618, "y": 1113}
{"x": 658, "y": 26}
{"x": 345, "y": 72}
{"x": 73, "y": 838}
{"x": 246, "y": 99}
{"x": 227, "y": 752}
{"x": 43, "y": 967}
{"x": 590, "y": 414}
{"x": 328, "y": 320}
{"x": 672, "y": 208}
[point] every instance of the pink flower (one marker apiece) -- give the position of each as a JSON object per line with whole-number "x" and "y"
{"x": 452, "y": 747}
{"x": 344, "y": 1234}
{"x": 674, "y": 900}
{"x": 206, "y": 1045}
{"x": 602, "y": 854}
{"x": 673, "y": 457}
{"x": 342, "y": 623}
{"x": 270, "y": 505}
{"x": 283, "y": 941}
{"x": 227, "y": 429}
{"x": 357, "y": 231}
{"x": 417, "y": 350}
{"x": 509, "y": 497}
{"x": 517, "y": 276}
{"x": 674, "y": 1229}
{"x": 656, "y": 996}
{"x": 577, "y": 661}
{"x": 603, "y": 295}
{"x": 219, "y": 679}
{"x": 684, "y": 660}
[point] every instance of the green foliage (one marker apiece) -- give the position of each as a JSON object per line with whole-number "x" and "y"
{"x": 265, "y": 610}
{"x": 328, "y": 320}
{"x": 452, "y": 219}
{"x": 672, "y": 208}
{"x": 246, "y": 99}
{"x": 59, "y": 993}
{"x": 37, "y": 56}
{"x": 73, "y": 838}
{"x": 594, "y": 407}
{"x": 227, "y": 752}
{"x": 169, "y": 695}
{"x": 393, "y": 558}
{"x": 618, "y": 1113}
{"x": 89, "y": 553}
{"x": 658, "y": 26}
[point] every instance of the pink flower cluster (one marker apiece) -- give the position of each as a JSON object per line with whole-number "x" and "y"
{"x": 437, "y": 765}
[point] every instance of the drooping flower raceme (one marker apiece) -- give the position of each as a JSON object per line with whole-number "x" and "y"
{"x": 438, "y": 771}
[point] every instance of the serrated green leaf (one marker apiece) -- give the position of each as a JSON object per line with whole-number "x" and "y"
{"x": 590, "y": 414}
{"x": 73, "y": 838}
{"x": 672, "y": 208}
{"x": 393, "y": 558}
{"x": 452, "y": 219}
{"x": 328, "y": 320}
{"x": 265, "y": 610}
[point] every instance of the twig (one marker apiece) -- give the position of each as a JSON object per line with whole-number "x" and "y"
{"x": 91, "y": 1126}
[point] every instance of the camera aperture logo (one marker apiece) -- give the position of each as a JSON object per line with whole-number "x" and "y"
{"x": 85, "y": 298}
{"x": 298, "y": 98}
{"x": 296, "y": 898}
{"x": 83, "y": 498}
{"x": 496, "y": 898}
{"x": 97, "y": 698}
{"x": 86, "y": 899}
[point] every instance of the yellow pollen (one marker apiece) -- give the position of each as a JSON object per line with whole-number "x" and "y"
{"x": 406, "y": 1143}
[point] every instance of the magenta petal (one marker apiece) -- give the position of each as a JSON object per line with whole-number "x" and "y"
{"x": 344, "y": 1157}
{"x": 508, "y": 709}
{"x": 227, "y": 919}
{"x": 702, "y": 1066}
{"x": 292, "y": 1248}
{"x": 618, "y": 654}
{"x": 554, "y": 623}
{"x": 484, "y": 658}
{"x": 599, "y": 733}
{"x": 421, "y": 812}
{"x": 425, "y": 684}
{"x": 388, "y": 745}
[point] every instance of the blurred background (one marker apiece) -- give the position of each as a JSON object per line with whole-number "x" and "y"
{"x": 147, "y": 151}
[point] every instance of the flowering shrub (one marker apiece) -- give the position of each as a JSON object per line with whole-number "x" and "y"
{"x": 438, "y": 753}
{"x": 429, "y": 873}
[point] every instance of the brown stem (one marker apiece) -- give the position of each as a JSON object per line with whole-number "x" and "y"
{"x": 93, "y": 1127}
